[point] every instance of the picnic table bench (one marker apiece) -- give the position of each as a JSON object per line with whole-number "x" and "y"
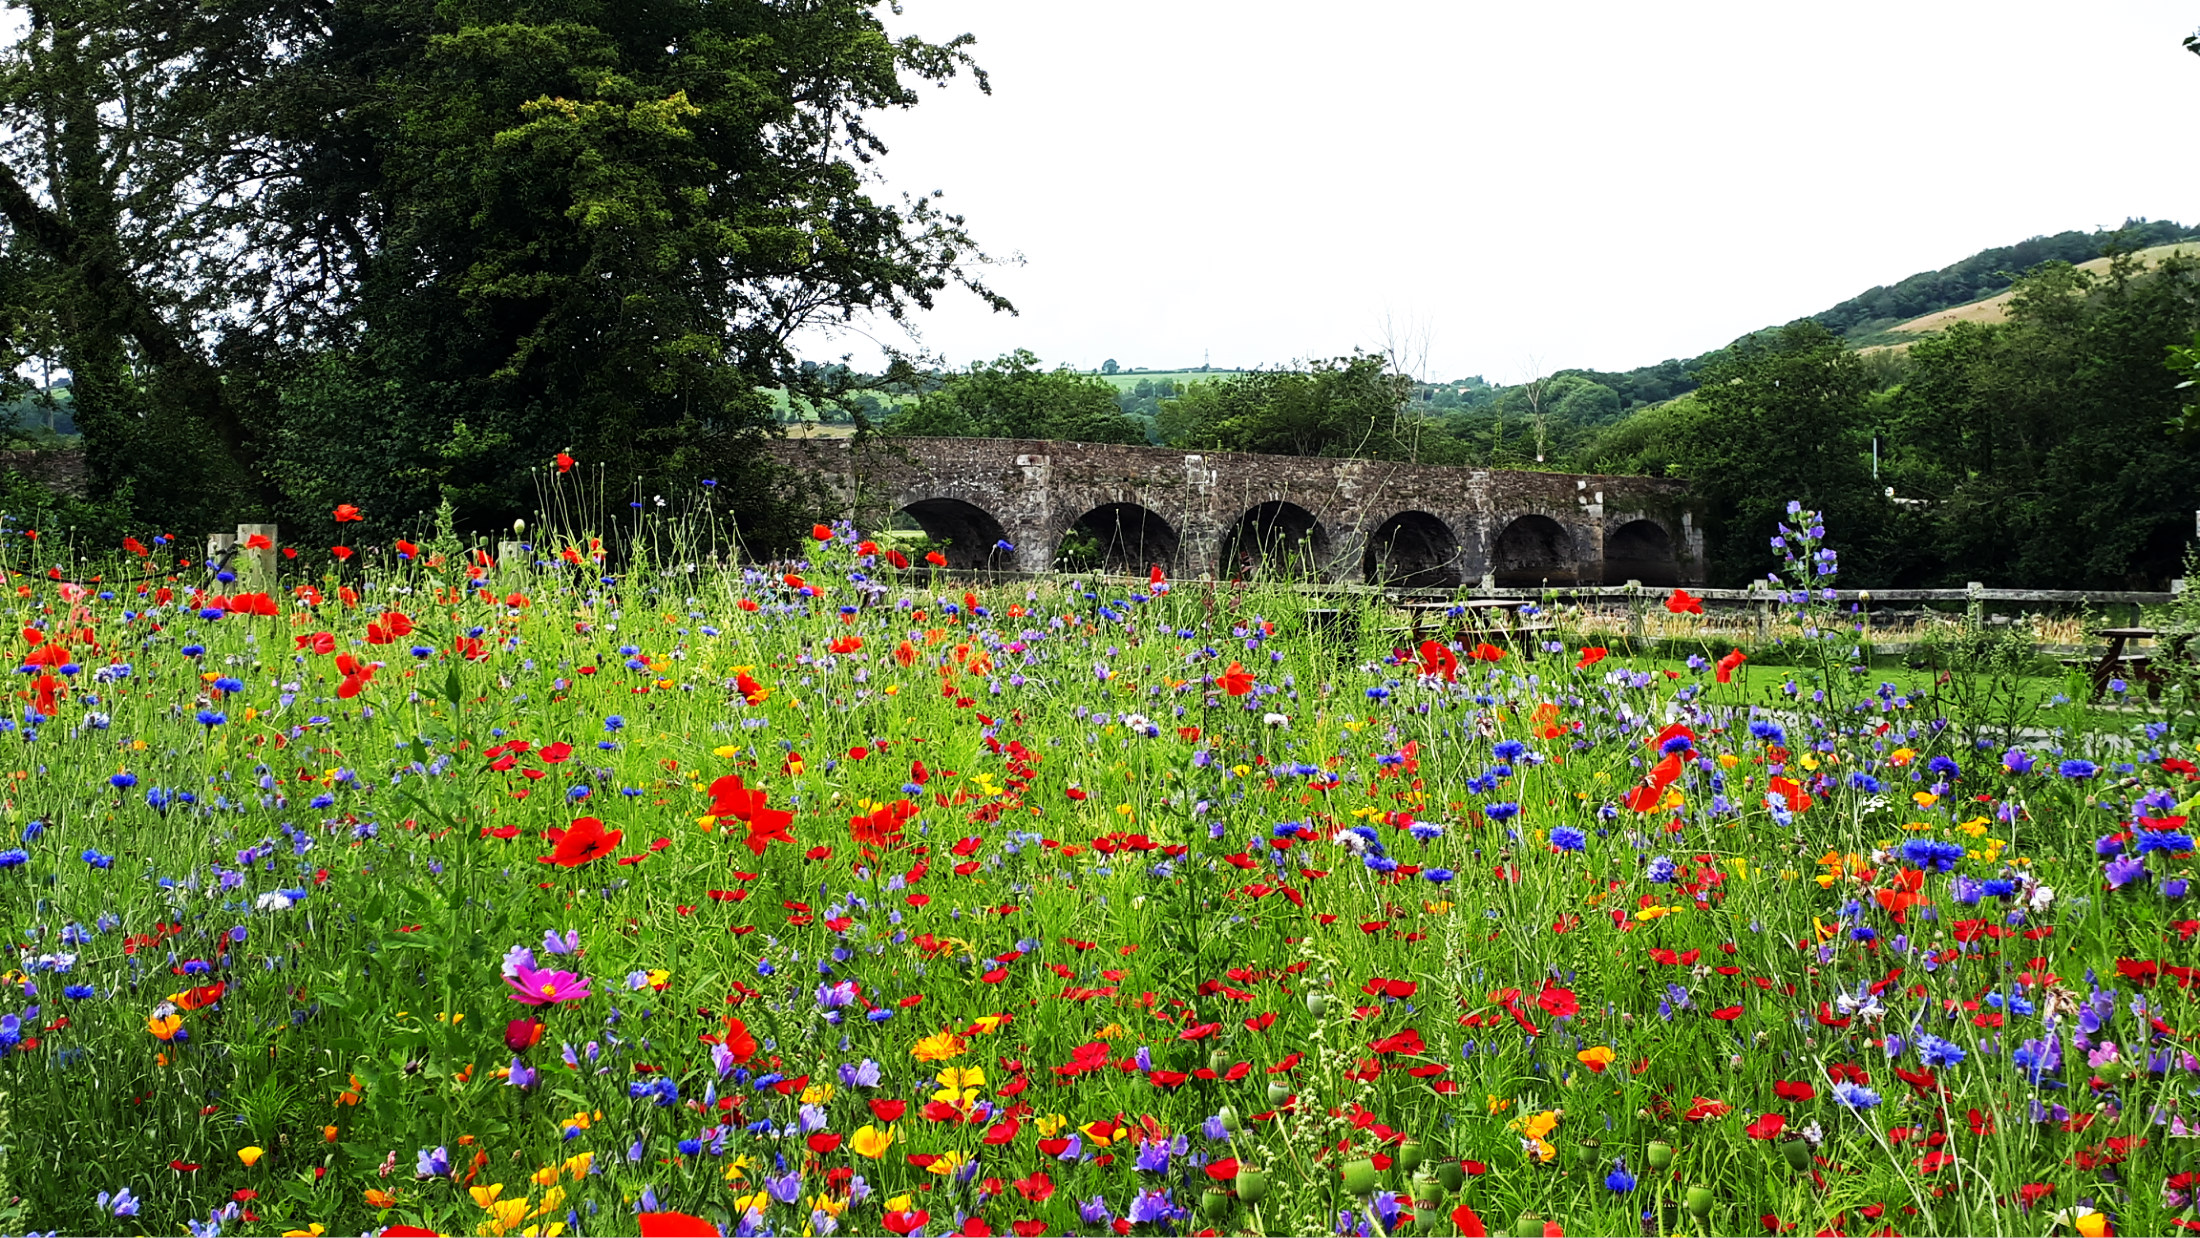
{"x": 2119, "y": 661}
{"x": 1499, "y": 620}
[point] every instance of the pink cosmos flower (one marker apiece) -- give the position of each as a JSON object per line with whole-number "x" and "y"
{"x": 537, "y": 987}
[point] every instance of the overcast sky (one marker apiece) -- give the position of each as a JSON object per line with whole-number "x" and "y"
{"x": 1571, "y": 184}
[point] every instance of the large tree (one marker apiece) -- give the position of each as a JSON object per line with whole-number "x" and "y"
{"x": 306, "y": 241}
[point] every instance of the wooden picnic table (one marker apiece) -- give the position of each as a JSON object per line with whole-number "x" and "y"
{"x": 1478, "y": 618}
{"x": 2116, "y": 663}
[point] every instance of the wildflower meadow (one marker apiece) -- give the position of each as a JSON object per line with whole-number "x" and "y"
{"x": 551, "y": 894}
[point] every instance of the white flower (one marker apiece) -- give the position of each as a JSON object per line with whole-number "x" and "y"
{"x": 1275, "y": 719}
{"x": 273, "y": 900}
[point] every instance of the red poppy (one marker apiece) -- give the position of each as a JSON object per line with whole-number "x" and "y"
{"x": 1439, "y": 660}
{"x": 897, "y": 558}
{"x": 1590, "y": 656}
{"x": 821, "y": 532}
{"x": 346, "y": 512}
{"x": 1682, "y": 602}
{"x": 341, "y": 552}
{"x": 1237, "y": 681}
{"x": 935, "y": 558}
{"x": 585, "y": 840}
{"x": 1729, "y": 663}
{"x": 1486, "y": 652}
{"x": 564, "y": 462}
{"x": 1558, "y": 1002}
{"x": 670, "y": 1225}
{"x": 1767, "y": 1127}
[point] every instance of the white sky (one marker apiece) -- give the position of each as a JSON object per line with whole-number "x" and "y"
{"x": 1587, "y": 183}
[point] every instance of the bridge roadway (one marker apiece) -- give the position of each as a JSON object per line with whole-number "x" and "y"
{"x": 1231, "y": 515}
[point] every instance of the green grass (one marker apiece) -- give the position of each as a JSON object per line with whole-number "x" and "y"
{"x": 1142, "y": 861}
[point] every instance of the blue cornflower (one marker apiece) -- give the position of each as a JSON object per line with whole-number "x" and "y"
{"x": 228, "y": 684}
{"x": 2175, "y": 844}
{"x": 122, "y": 781}
{"x": 2016, "y": 761}
{"x": 211, "y": 718}
{"x": 614, "y": 723}
{"x": 1865, "y": 783}
{"x": 1935, "y": 1052}
{"x": 1438, "y": 875}
{"x": 78, "y": 992}
{"x": 1854, "y": 1096}
{"x": 1932, "y": 853}
{"x": 1502, "y": 811}
{"x": 1510, "y": 750}
{"x": 1619, "y": 1181}
{"x": 1567, "y": 838}
{"x": 2076, "y": 769}
{"x": 97, "y": 859}
{"x": 14, "y": 857}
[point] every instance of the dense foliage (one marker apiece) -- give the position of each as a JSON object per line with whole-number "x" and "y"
{"x": 406, "y": 250}
{"x": 541, "y": 898}
{"x": 1014, "y": 398}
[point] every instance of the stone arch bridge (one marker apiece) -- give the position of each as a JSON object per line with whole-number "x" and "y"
{"x": 1233, "y": 515}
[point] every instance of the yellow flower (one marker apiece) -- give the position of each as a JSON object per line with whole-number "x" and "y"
{"x": 871, "y": 1142}
{"x": 1924, "y": 799}
{"x": 578, "y": 1166}
{"x": 1728, "y": 760}
{"x": 950, "y": 1161}
{"x": 251, "y": 1155}
{"x": 163, "y": 1027}
{"x": 1111, "y": 1032}
{"x": 2091, "y": 1224}
{"x": 1539, "y": 1125}
{"x": 900, "y": 1203}
{"x": 1102, "y": 1132}
{"x": 380, "y": 1199}
{"x": 1499, "y": 1104}
{"x": 985, "y": 1024}
{"x": 828, "y": 1205}
{"x": 1049, "y": 1124}
{"x": 1595, "y": 1059}
{"x": 552, "y": 1200}
{"x": 1740, "y": 866}
{"x": 940, "y": 1047}
{"x": 314, "y": 1230}
{"x": 551, "y": 1230}
{"x": 546, "y": 1176}
{"x": 965, "y": 1078}
{"x": 505, "y": 1213}
{"x": 485, "y": 1195}
{"x": 1902, "y": 756}
{"x": 1810, "y": 760}
{"x": 817, "y": 1094}
{"x": 1540, "y": 1150}
{"x": 1437, "y": 907}
{"x": 759, "y": 1202}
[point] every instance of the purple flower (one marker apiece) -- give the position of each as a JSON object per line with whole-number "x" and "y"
{"x": 2016, "y": 761}
{"x": 2123, "y": 870}
{"x": 1152, "y": 1206}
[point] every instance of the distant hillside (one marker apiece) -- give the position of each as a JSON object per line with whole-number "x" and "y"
{"x": 1996, "y": 308}
{"x": 1896, "y": 313}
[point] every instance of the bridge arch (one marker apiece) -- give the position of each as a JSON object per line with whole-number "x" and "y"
{"x": 1276, "y": 539}
{"x": 1412, "y": 550}
{"x": 970, "y": 536}
{"x": 1533, "y": 550}
{"x": 1123, "y": 538}
{"x": 1641, "y": 550}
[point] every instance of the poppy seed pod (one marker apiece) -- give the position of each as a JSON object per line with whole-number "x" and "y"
{"x": 1797, "y": 1152}
{"x": 1278, "y": 1093}
{"x": 1451, "y": 1173}
{"x": 1228, "y": 1116}
{"x": 1214, "y": 1204}
{"x": 1411, "y": 1155}
{"x": 1659, "y": 1155}
{"x": 1360, "y": 1176}
{"x": 1317, "y": 1004}
{"x": 1252, "y": 1184}
{"x": 1698, "y": 1201}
